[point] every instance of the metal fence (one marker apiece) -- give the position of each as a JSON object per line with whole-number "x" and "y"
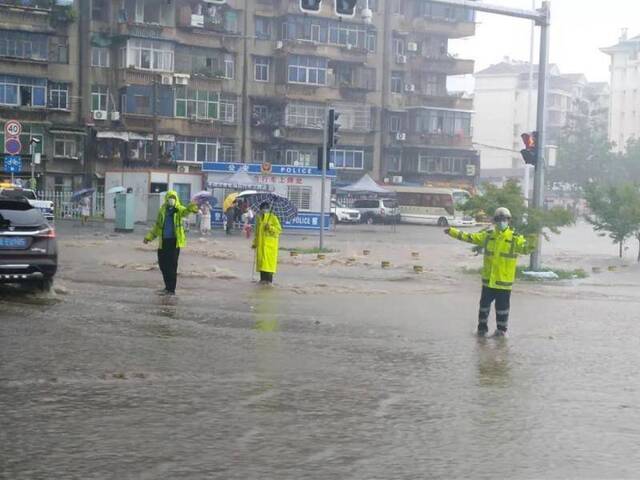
{"x": 64, "y": 207}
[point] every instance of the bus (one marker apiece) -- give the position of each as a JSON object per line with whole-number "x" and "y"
{"x": 432, "y": 206}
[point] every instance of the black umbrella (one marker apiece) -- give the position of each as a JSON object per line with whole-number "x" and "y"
{"x": 281, "y": 207}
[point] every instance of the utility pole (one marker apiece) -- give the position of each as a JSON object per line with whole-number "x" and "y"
{"x": 542, "y": 19}
{"x": 154, "y": 109}
{"x": 543, "y": 80}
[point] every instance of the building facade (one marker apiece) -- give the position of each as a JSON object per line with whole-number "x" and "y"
{"x": 506, "y": 106}
{"x": 177, "y": 84}
{"x": 624, "y": 105}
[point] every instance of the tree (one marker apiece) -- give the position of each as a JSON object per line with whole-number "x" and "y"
{"x": 527, "y": 221}
{"x": 615, "y": 210}
{"x": 584, "y": 153}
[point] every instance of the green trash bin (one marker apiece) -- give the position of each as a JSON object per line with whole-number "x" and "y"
{"x": 125, "y": 212}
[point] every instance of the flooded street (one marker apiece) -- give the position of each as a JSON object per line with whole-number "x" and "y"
{"x": 342, "y": 371}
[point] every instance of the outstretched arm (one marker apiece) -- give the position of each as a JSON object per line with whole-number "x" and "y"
{"x": 473, "y": 238}
{"x": 525, "y": 245}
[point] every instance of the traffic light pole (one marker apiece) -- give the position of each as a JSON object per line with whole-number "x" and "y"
{"x": 325, "y": 160}
{"x": 541, "y": 123}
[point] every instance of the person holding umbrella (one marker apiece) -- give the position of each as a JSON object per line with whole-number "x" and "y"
{"x": 169, "y": 229}
{"x": 266, "y": 243}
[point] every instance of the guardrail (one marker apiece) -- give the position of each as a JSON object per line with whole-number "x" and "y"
{"x": 64, "y": 207}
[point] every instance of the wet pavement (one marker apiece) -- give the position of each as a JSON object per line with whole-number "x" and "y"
{"x": 342, "y": 371}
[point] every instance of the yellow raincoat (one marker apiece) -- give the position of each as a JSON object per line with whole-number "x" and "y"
{"x": 501, "y": 250}
{"x": 181, "y": 212}
{"x": 267, "y": 242}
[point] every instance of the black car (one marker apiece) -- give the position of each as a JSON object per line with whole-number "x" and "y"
{"x": 28, "y": 248}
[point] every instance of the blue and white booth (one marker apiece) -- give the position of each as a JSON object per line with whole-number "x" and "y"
{"x": 301, "y": 185}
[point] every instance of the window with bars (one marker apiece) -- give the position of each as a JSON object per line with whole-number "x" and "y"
{"x": 196, "y": 150}
{"x": 348, "y": 159}
{"x": 397, "y": 82}
{"x": 65, "y": 146}
{"x": 196, "y": 103}
{"x": 309, "y": 70}
{"x": 259, "y": 155}
{"x": 442, "y": 165}
{"x": 99, "y": 94}
{"x": 299, "y": 158}
{"x": 25, "y": 45}
{"x": 300, "y": 196}
{"x": 305, "y": 115}
{"x": 148, "y": 55}
{"x": 100, "y": 57}
{"x": 354, "y": 117}
{"x": 263, "y": 28}
{"x": 261, "y": 69}
{"x": 59, "y": 96}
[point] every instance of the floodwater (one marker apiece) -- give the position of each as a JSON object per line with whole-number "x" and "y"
{"x": 229, "y": 380}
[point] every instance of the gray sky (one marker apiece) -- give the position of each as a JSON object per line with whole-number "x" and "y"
{"x": 579, "y": 29}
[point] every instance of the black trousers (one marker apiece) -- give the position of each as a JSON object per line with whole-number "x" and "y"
{"x": 503, "y": 304}
{"x": 266, "y": 277}
{"x": 168, "y": 261}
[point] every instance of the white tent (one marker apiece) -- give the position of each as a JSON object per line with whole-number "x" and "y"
{"x": 365, "y": 185}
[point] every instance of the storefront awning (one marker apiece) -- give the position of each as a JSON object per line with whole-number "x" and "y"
{"x": 124, "y": 136}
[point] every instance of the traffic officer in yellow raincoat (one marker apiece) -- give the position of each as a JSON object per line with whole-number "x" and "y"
{"x": 266, "y": 242}
{"x": 501, "y": 249}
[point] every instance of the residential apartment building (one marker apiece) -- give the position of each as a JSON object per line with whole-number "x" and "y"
{"x": 174, "y": 84}
{"x": 506, "y": 106}
{"x": 624, "y": 106}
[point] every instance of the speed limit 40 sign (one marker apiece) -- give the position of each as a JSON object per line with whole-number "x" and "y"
{"x": 12, "y": 128}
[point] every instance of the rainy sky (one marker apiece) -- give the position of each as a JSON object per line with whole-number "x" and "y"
{"x": 580, "y": 29}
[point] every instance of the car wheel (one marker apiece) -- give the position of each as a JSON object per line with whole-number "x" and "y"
{"x": 45, "y": 284}
{"x": 443, "y": 222}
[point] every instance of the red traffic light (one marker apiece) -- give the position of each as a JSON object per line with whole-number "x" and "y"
{"x": 529, "y": 141}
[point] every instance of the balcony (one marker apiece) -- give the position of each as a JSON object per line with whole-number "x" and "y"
{"x": 435, "y": 26}
{"x": 419, "y": 99}
{"x": 308, "y": 92}
{"x": 208, "y": 24}
{"x": 346, "y": 53}
{"x": 24, "y": 66}
{"x": 417, "y": 140}
{"x": 447, "y": 65}
{"x": 35, "y": 18}
{"x": 146, "y": 30}
{"x": 128, "y": 76}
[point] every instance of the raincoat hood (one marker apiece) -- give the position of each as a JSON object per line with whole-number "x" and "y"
{"x": 172, "y": 194}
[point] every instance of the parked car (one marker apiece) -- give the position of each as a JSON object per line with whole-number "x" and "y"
{"x": 45, "y": 206}
{"x": 28, "y": 248}
{"x": 342, "y": 214}
{"x": 380, "y": 210}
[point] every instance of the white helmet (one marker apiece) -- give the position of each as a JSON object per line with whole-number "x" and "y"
{"x": 502, "y": 212}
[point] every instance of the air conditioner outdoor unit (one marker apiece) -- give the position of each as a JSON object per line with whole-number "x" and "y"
{"x": 412, "y": 47}
{"x": 99, "y": 114}
{"x": 134, "y": 154}
{"x": 349, "y": 46}
{"x": 181, "y": 79}
{"x": 115, "y": 116}
{"x": 167, "y": 80}
{"x": 183, "y": 169}
{"x": 409, "y": 87}
{"x": 279, "y": 45}
{"x": 197, "y": 20}
{"x": 396, "y": 179}
{"x": 401, "y": 59}
{"x": 401, "y": 136}
{"x": 277, "y": 133}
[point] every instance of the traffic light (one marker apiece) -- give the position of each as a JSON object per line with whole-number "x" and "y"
{"x": 530, "y": 151}
{"x": 333, "y": 127}
{"x": 312, "y": 6}
{"x": 346, "y": 8}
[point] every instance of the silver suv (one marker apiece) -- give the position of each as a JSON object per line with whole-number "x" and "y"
{"x": 379, "y": 210}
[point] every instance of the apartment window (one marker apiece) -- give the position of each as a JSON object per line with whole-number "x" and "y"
{"x": 59, "y": 50}
{"x": 227, "y": 111}
{"x": 442, "y": 165}
{"x": 346, "y": 34}
{"x": 305, "y": 115}
{"x": 196, "y": 150}
{"x": 316, "y": 31}
{"x": 227, "y": 153}
{"x": 443, "y": 122}
{"x": 196, "y": 103}
{"x": 394, "y": 124}
{"x": 263, "y": 28}
{"x": 259, "y": 155}
{"x": 30, "y": 46}
{"x": 435, "y": 85}
{"x": 371, "y": 41}
{"x": 398, "y": 46}
{"x": 353, "y": 116}
{"x": 395, "y": 163}
{"x": 300, "y": 196}
{"x": 148, "y": 55}
{"x": 231, "y": 21}
{"x": 302, "y": 158}
{"x": 100, "y": 57}
{"x": 27, "y": 92}
{"x": 348, "y": 159}
{"x": 260, "y": 114}
{"x": 142, "y": 104}
{"x": 65, "y": 146}
{"x": 229, "y": 66}
{"x": 99, "y": 94}
{"x": 261, "y": 69}
{"x": 99, "y": 10}
{"x": 397, "y": 82}
{"x": 309, "y": 70}
{"x": 59, "y": 96}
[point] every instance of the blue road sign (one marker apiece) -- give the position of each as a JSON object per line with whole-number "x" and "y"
{"x": 12, "y": 164}
{"x": 12, "y": 146}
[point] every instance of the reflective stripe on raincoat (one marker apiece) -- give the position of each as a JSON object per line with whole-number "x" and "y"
{"x": 266, "y": 242}
{"x": 181, "y": 212}
{"x": 501, "y": 250}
